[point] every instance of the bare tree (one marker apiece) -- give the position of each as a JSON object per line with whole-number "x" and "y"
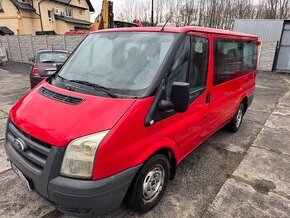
{"x": 210, "y": 13}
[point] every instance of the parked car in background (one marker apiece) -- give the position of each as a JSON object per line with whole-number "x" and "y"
{"x": 45, "y": 63}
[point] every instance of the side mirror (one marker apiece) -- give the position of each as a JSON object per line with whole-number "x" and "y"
{"x": 180, "y": 96}
{"x": 31, "y": 59}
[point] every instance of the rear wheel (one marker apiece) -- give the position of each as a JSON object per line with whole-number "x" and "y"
{"x": 149, "y": 186}
{"x": 235, "y": 124}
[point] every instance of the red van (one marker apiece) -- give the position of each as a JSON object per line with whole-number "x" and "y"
{"x": 124, "y": 110}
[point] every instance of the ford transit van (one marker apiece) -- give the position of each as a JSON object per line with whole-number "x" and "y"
{"x": 113, "y": 123}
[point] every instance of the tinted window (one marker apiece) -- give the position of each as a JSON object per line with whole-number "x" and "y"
{"x": 199, "y": 62}
{"x": 249, "y": 56}
{"x": 233, "y": 58}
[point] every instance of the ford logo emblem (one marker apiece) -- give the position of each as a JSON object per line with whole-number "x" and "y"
{"x": 19, "y": 145}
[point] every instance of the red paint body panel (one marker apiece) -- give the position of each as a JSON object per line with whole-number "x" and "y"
{"x": 129, "y": 141}
{"x": 58, "y": 123}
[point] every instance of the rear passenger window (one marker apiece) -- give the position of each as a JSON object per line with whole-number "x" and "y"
{"x": 233, "y": 58}
{"x": 249, "y": 55}
{"x": 198, "y": 63}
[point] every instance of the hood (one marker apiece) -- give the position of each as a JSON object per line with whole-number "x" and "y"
{"x": 58, "y": 123}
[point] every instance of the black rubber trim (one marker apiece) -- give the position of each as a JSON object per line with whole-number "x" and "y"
{"x": 250, "y": 100}
{"x": 59, "y": 97}
{"x": 38, "y": 177}
{"x": 87, "y": 198}
{"x": 79, "y": 187}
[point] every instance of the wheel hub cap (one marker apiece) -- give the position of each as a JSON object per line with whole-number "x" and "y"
{"x": 239, "y": 118}
{"x": 153, "y": 183}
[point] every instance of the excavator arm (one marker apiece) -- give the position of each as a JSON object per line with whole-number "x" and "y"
{"x": 105, "y": 19}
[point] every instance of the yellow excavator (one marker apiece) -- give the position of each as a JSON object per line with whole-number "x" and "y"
{"x": 105, "y": 20}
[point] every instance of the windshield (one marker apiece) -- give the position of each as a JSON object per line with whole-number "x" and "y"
{"x": 52, "y": 57}
{"x": 124, "y": 62}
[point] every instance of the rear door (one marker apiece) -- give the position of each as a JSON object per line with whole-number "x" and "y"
{"x": 225, "y": 69}
{"x": 233, "y": 74}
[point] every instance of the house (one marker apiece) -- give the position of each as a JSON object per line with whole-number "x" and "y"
{"x": 38, "y": 17}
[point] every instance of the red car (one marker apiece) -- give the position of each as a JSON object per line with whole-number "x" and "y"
{"x": 124, "y": 110}
{"x": 45, "y": 64}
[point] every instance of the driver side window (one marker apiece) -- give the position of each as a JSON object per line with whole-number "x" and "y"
{"x": 190, "y": 65}
{"x": 179, "y": 69}
{"x": 198, "y": 63}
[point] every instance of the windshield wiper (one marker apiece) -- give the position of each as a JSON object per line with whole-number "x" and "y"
{"x": 48, "y": 62}
{"x": 57, "y": 75}
{"x": 96, "y": 87}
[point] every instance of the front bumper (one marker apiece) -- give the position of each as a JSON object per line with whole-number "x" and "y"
{"x": 90, "y": 197}
{"x": 41, "y": 163}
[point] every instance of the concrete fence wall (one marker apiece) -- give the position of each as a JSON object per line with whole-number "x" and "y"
{"x": 21, "y": 48}
{"x": 267, "y": 55}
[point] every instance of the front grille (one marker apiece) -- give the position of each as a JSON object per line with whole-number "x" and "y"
{"x": 37, "y": 152}
{"x": 59, "y": 97}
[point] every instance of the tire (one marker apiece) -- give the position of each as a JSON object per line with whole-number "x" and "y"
{"x": 236, "y": 122}
{"x": 139, "y": 198}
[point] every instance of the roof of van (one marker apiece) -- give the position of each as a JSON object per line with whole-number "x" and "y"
{"x": 180, "y": 30}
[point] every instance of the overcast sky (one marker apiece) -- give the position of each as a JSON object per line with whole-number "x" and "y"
{"x": 98, "y": 5}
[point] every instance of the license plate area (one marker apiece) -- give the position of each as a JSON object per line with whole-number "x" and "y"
{"x": 50, "y": 72}
{"x": 27, "y": 182}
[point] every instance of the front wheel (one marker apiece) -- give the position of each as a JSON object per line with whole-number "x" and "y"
{"x": 235, "y": 124}
{"x": 149, "y": 186}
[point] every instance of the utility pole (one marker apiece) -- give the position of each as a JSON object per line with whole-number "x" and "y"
{"x": 152, "y": 14}
{"x": 198, "y": 13}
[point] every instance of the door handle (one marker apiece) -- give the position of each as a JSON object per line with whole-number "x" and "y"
{"x": 207, "y": 99}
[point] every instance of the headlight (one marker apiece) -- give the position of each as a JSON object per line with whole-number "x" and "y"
{"x": 80, "y": 154}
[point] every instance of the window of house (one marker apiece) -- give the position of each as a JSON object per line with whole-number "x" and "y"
{"x": 233, "y": 58}
{"x": 68, "y": 12}
{"x": 199, "y": 62}
{"x": 81, "y": 12}
{"x": 79, "y": 2}
{"x": 1, "y": 6}
{"x": 50, "y": 16}
{"x": 26, "y": 1}
{"x": 57, "y": 11}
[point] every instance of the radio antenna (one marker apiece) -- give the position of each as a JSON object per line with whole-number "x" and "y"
{"x": 170, "y": 16}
